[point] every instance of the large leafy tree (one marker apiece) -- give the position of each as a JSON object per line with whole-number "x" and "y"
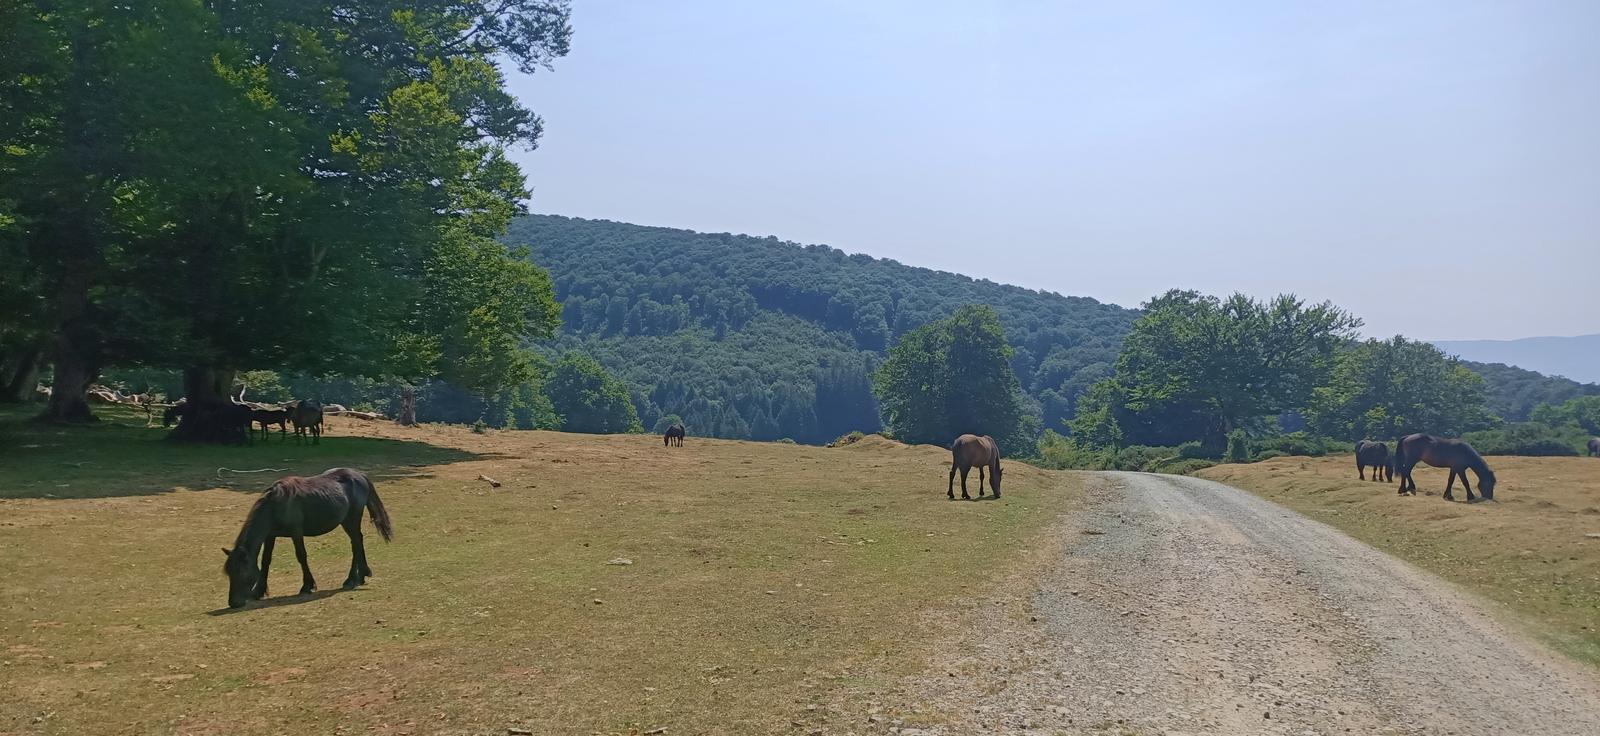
{"x": 954, "y": 376}
{"x": 1390, "y": 388}
{"x": 299, "y": 185}
{"x": 1229, "y": 360}
{"x": 589, "y": 399}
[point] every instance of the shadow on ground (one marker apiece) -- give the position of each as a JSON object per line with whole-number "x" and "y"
{"x": 119, "y": 456}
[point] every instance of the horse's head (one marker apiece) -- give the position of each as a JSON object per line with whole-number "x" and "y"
{"x": 242, "y": 575}
{"x": 994, "y": 479}
{"x": 1486, "y": 484}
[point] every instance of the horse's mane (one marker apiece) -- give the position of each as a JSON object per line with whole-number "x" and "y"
{"x": 1476, "y": 461}
{"x": 290, "y": 486}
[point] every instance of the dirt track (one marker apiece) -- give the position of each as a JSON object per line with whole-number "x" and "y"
{"x": 1192, "y": 607}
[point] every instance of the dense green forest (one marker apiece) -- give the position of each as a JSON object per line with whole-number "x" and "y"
{"x": 755, "y": 337}
{"x": 1513, "y": 393}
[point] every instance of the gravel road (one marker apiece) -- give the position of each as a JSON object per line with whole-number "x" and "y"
{"x": 1192, "y": 607}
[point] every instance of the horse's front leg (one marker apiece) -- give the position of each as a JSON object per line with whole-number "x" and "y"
{"x": 308, "y": 584}
{"x": 266, "y": 564}
{"x": 358, "y": 556}
{"x": 1467, "y": 486}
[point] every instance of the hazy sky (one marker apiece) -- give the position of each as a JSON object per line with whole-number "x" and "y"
{"x": 1432, "y": 166}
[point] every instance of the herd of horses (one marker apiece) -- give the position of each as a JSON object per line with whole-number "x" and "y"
{"x": 1438, "y": 452}
{"x": 306, "y": 417}
{"x": 297, "y": 508}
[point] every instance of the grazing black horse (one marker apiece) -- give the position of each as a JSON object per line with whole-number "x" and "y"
{"x": 1594, "y": 447}
{"x": 296, "y": 508}
{"x": 1374, "y": 455}
{"x": 268, "y": 417}
{"x": 673, "y": 435}
{"x": 1456, "y": 455}
{"x": 971, "y": 450}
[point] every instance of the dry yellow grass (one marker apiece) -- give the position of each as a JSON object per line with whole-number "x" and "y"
{"x": 1530, "y": 549}
{"x": 765, "y": 578}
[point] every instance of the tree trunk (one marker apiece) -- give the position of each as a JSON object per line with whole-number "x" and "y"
{"x": 69, "y": 391}
{"x": 208, "y": 415}
{"x": 408, "y": 406}
{"x": 18, "y": 383}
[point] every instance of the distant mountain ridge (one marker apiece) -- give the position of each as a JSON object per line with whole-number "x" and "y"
{"x": 1577, "y": 358}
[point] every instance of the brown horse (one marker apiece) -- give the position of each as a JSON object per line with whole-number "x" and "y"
{"x": 296, "y": 508}
{"x": 1594, "y": 447}
{"x": 971, "y": 450}
{"x": 1374, "y": 455}
{"x": 306, "y": 416}
{"x": 673, "y": 435}
{"x": 1456, "y": 455}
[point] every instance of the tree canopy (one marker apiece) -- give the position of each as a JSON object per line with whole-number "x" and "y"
{"x": 951, "y": 377}
{"x": 1391, "y": 388}
{"x": 230, "y": 186}
{"x": 1228, "y": 360}
{"x": 589, "y": 399}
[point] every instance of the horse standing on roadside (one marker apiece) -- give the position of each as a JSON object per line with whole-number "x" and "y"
{"x": 1594, "y": 447}
{"x": 1456, "y": 455}
{"x": 970, "y": 450}
{"x": 297, "y": 508}
{"x": 673, "y": 436}
{"x": 1374, "y": 455}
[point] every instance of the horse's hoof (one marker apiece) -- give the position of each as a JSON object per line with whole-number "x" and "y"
{"x": 308, "y": 589}
{"x": 350, "y": 584}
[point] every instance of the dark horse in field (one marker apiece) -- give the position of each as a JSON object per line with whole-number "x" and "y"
{"x": 971, "y": 450}
{"x": 673, "y": 436}
{"x": 1456, "y": 455}
{"x": 268, "y": 417}
{"x": 1374, "y": 455}
{"x": 306, "y": 416}
{"x": 297, "y": 508}
{"x": 1594, "y": 447}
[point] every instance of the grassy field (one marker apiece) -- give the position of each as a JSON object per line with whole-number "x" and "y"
{"x": 766, "y": 578}
{"x": 1531, "y": 549}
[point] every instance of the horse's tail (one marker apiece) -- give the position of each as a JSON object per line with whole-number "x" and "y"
{"x": 380, "y": 515}
{"x": 1399, "y": 456}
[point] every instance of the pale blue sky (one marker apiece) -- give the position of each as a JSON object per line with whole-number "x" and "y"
{"x": 1432, "y": 166}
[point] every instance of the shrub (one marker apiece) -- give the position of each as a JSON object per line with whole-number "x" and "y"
{"x": 1182, "y": 466}
{"x": 1197, "y": 451}
{"x": 1530, "y": 438}
{"x": 786, "y": 441}
{"x": 848, "y": 439}
{"x": 1062, "y": 453}
{"x": 479, "y": 427}
{"x": 1297, "y": 443}
{"x": 1269, "y": 454}
{"x": 1142, "y": 457}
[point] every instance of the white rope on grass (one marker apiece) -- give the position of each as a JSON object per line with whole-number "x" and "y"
{"x": 220, "y": 471}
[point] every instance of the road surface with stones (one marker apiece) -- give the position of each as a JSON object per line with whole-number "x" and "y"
{"x": 1191, "y": 607}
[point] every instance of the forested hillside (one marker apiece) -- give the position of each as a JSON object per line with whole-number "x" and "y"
{"x": 755, "y": 337}
{"x": 1513, "y": 393}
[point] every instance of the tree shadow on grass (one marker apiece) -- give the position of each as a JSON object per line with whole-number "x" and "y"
{"x": 109, "y": 459}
